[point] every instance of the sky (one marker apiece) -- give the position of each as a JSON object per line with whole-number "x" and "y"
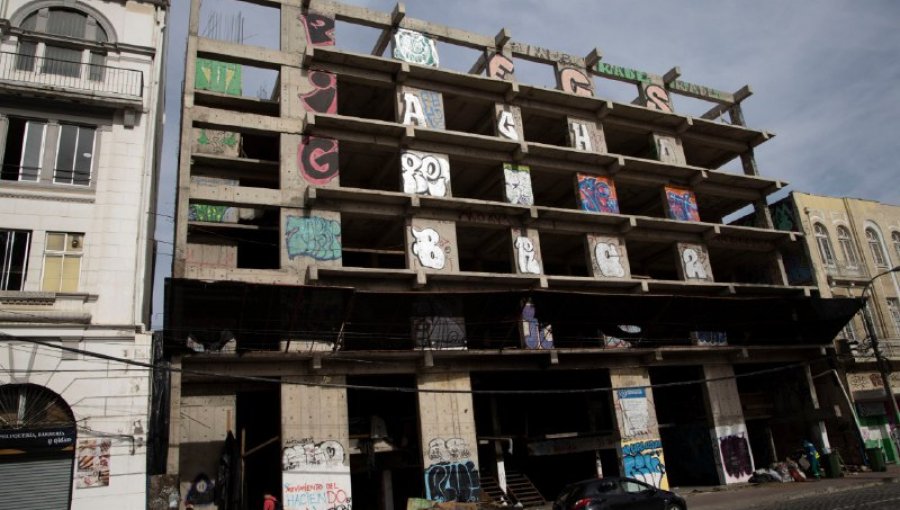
{"x": 824, "y": 73}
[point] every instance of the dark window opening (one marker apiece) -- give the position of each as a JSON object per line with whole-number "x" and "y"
{"x": 373, "y": 242}
{"x": 235, "y": 158}
{"x": 74, "y": 155}
{"x": 652, "y": 260}
{"x": 553, "y": 188}
{"x": 233, "y": 237}
{"x": 640, "y": 201}
{"x": 542, "y": 128}
{"x": 366, "y": 100}
{"x": 258, "y": 421}
{"x": 24, "y": 150}
{"x": 484, "y": 249}
{"x": 742, "y": 266}
{"x": 469, "y": 115}
{"x": 564, "y": 254}
{"x": 14, "y": 248}
{"x": 476, "y": 179}
{"x": 627, "y": 142}
{"x": 368, "y": 167}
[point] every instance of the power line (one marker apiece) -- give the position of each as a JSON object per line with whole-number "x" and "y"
{"x": 401, "y": 389}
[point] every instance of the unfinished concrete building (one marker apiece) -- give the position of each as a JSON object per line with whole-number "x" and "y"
{"x": 394, "y": 280}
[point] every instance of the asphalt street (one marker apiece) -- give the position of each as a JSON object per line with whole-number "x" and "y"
{"x": 884, "y": 496}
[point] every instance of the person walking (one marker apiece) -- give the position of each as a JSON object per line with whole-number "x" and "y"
{"x": 270, "y": 502}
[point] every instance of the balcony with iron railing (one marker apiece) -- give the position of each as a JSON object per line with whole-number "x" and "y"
{"x": 39, "y": 76}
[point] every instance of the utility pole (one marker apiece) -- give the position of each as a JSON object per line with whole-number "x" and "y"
{"x": 882, "y": 364}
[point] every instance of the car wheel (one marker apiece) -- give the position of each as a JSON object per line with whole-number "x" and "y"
{"x": 673, "y": 506}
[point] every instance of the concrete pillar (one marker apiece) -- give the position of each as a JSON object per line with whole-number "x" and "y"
{"x": 449, "y": 444}
{"x": 315, "y": 439}
{"x": 640, "y": 448}
{"x": 734, "y": 459}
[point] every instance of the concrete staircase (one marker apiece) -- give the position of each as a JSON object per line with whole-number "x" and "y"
{"x": 520, "y": 492}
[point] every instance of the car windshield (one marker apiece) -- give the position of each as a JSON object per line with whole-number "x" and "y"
{"x": 632, "y": 486}
{"x": 598, "y": 487}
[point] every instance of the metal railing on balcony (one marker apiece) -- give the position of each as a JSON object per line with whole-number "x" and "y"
{"x": 68, "y": 75}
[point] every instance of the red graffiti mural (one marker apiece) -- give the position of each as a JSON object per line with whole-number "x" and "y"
{"x": 657, "y": 98}
{"x": 500, "y": 67}
{"x": 323, "y": 97}
{"x": 319, "y": 29}
{"x": 575, "y": 82}
{"x": 317, "y": 159}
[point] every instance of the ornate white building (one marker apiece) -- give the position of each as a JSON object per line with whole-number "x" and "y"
{"x": 80, "y": 108}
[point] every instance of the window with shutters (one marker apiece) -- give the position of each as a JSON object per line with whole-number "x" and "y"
{"x": 874, "y": 241}
{"x": 845, "y": 239}
{"x": 62, "y": 58}
{"x": 62, "y": 262}
{"x": 825, "y": 248}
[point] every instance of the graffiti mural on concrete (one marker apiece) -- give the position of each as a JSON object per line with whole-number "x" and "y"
{"x": 323, "y": 96}
{"x": 608, "y": 260}
{"x": 597, "y": 194}
{"x": 534, "y": 334}
{"x": 499, "y": 66}
{"x": 305, "y": 455}
{"x": 509, "y": 122}
{"x": 710, "y": 338}
{"x": 681, "y": 204}
{"x": 575, "y": 81}
{"x": 319, "y": 29}
{"x": 694, "y": 262}
{"x": 215, "y": 76}
{"x": 668, "y": 150}
{"x": 656, "y": 97}
{"x": 452, "y": 481}
{"x": 316, "y": 491}
{"x": 783, "y": 216}
{"x": 212, "y": 213}
{"x": 425, "y": 174}
{"x": 737, "y": 462}
{"x": 217, "y": 142}
{"x": 526, "y": 256}
{"x": 452, "y": 449}
{"x": 581, "y": 136}
{"x": 423, "y": 108}
{"x": 427, "y": 248}
{"x": 643, "y": 460}
{"x": 415, "y": 48}
{"x": 201, "y": 492}
{"x": 317, "y": 159}
{"x": 518, "y": 184}
{"x": 314, "y": 237}
{"x": 438, "y": 323}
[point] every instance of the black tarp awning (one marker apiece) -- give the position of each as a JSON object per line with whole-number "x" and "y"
{"x": 259, "y": 315}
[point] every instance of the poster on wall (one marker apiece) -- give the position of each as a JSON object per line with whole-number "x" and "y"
{"x": 93, "y": 463}
{"x": 635, "y": 411}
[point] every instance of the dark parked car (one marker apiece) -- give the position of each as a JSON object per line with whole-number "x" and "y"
{"x": 615, "y": 493}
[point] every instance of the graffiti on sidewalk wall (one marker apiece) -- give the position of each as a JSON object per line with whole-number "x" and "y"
{"x": 643, "y": 460}
{"x": 452, "y": 481}
{"x": 737, "y": 461}
{"x": 306, "y": 455}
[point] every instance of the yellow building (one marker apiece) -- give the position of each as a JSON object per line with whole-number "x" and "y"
{"x": 850, "y": 242}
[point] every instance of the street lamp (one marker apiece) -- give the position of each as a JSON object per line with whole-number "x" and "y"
{"x": 881, "y": 363}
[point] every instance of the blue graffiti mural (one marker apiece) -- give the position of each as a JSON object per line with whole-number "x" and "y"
{"x": 535, "y": 337}
{"x": 452, "y": 481}
{"x": 433, "y": 108}
{"x": 642, "y": 460}
{"x": 314, "y": 237}
{"x": 597, "y": 194}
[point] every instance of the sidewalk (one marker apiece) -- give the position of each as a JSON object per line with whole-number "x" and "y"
{"x": 740, "y": 496}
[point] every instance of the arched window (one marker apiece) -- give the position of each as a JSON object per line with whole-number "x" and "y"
{"x": 895, "y": 240}
{"x": 847, "y": 246}
{"x": 825, "y": 249}
{"x": 878, "y": 255}
{"x": 60, "y": 53}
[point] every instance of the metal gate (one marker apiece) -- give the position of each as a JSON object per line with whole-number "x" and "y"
{"x": 36, "y": 484}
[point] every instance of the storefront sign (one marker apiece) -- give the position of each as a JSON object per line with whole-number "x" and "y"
{"x": 16, "y": 441}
